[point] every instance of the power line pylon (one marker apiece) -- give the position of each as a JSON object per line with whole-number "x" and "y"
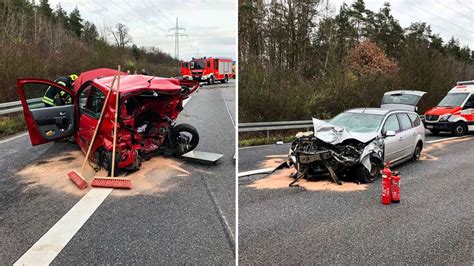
{"x": 177, "y": 34}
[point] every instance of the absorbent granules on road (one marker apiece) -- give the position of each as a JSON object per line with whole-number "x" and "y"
{"x": 157, "y": 175}
{"x": 273, "y": 160}
{"x": 282, "y": 178}
{"x": 429, "y": 149}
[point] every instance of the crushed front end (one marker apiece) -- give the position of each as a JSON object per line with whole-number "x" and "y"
{"x": 335, "y": 153}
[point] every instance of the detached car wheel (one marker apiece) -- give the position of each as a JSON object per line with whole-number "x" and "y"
{"x": 186, "y": 138}
{"x": 460, "y": 129}
{"x": 364, "y": 176}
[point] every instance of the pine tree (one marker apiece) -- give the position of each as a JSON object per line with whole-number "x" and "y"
{"x": 75, "y": 22}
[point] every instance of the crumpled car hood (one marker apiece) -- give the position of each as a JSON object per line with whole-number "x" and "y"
{"x": 332, "y": 134}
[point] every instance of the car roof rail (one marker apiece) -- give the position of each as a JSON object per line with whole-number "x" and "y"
{"x": 467, "y": 82}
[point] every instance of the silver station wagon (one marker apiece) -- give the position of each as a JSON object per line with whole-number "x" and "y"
{"x": 359, "y": 141}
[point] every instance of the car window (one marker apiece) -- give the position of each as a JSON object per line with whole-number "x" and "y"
{"x": 83, "y": 97}
{"x": 94, "y": 102}
{"x": 470, "y": 103}
{"x": 391, "y": 124}
{"x": 405, "y": 122}
{"x": 41, "y": 95}
{"x": 415, "y": 119}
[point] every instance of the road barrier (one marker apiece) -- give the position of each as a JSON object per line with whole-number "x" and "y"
{"x": 15, "y": 107}
{"x": 271, "y": 126}
{"x": 280, "y": 125}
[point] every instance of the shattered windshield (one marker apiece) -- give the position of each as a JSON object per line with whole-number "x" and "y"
{"x": 358, "y": 122}
{"x": 198, "y": 64}
{"x": 453, "y": 99}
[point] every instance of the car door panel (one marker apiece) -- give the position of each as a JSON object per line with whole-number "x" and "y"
{"x": 54, "y": 122}
{"x": 46, "y": 123}
{"x": 408, "y": 134}
{"x": 393, "y": 148}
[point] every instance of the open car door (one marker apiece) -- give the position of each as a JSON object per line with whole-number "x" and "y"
{"x": 49, "y": 118}
{"x": 402, "y": 99}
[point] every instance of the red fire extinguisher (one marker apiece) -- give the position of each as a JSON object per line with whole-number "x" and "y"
{"x": 386, "y": 186}
{"x": 395, "y": 187}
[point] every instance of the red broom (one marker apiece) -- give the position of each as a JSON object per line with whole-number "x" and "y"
{"x": 113, "y": 182}
{"x": 76, "y": 177}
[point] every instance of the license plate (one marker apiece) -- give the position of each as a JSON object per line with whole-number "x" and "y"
{"x": 429, "y": 126}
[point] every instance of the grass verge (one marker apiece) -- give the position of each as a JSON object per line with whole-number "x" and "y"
{"x": 260, "y": 138}
{"x": 12, "y": 124}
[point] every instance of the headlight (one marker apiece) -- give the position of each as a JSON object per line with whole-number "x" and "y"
{"x": 444, "y": 118}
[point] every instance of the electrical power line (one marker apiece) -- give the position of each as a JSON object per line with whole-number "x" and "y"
{"x": 177, "y": 34}
{"x": 441, "y": 3}
{"x": 459, "y": 2}
{"x": 434, "y": 26}
{"x": 428, "y": 12}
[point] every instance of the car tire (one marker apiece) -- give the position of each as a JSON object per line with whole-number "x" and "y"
{"x": 434, "y": 132}
{"x": 460, "y": 129}
{"x": 364, "y": 176}
{"x": 226, "y": 79}
{"x": 210, "y": 80}
{"x": 417, "y": 153}
{"x": 189, "y": 129}
{"x": 109, "y": 165}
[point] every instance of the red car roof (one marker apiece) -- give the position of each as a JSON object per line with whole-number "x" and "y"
{"x": 129, "y": 83}
{"x": 93, "y": 74}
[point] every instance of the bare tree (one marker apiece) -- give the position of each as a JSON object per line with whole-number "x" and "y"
{"x": 121, "y": 35}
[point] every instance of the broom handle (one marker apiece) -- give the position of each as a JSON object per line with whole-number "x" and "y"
{"x": 117, "y": 96}
{"x": 98, "y": 125}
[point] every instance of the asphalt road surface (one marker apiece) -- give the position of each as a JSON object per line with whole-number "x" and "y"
{"x": 431, "y": 225}
{"x": 191, "y": 221}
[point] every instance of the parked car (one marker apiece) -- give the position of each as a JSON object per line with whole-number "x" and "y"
{"x": 359, "y": 141}
{"x": 455, "y": 112}
{"x": 148, "y": 109}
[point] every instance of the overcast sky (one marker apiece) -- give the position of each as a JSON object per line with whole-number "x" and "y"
{"x": 210, "y": 25}
{"x": 446, "y": 17}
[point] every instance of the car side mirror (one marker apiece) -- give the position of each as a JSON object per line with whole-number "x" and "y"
{"x": 390, "y": 133}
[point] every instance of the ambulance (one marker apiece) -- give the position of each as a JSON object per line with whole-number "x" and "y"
{"x": 455, "y": 112}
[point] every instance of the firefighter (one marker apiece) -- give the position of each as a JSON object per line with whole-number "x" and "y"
{"x": 54, "y": 96}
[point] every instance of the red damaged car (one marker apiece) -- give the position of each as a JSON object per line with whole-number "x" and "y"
{"x": 146, "y": 126}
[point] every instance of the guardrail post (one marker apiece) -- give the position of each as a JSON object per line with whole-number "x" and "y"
{"x": 268, "y": 134}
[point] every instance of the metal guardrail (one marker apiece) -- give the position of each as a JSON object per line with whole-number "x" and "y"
{"x": 280, "y": 125}
{"x": 15, "y": 107}
{"x": 271, "y": 126}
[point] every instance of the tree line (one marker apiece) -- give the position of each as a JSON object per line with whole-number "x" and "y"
{"x": 39, "y": 41}
{"x": 298, "y": 59}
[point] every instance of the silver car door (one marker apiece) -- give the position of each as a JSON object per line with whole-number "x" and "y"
{"x": 393, "y": 146}
{"x": 407, "y": 135}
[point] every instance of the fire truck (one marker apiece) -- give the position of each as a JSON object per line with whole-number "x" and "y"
{"x": 210, "y": 69}
{"x": 455, "y": 112}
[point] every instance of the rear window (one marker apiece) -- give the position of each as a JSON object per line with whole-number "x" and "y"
{"x": 405, "y": 122}
{"x": 399, "y": 98}
{"x": 415, "y": 119}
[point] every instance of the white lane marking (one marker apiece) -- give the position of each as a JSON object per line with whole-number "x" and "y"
{"x": 259, "y": 146}
{"x": 186, "y": 101}
{"x": 256, "y": 172}
{"x": 228, "y": 111}
{"x": 50, "y": 244}
{"x": 12, "y": 138}
{"x": 440, "y": 140}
